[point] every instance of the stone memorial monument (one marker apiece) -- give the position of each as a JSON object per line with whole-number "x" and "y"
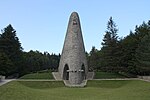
{"x": 73, "y": 66}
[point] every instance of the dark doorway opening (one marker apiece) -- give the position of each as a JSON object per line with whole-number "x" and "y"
{"x": 83, "y": 72}
{"x": 66, "y": 73}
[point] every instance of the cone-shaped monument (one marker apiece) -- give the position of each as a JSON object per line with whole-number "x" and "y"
{"x": 73, "y": 64}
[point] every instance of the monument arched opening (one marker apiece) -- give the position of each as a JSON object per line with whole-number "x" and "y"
{"x": 83, "y": 72}
{"x": 66, "y": 72}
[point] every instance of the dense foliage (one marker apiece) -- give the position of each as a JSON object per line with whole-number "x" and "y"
{"x": 14, "y": 61}
{"x": 34, "y": 61}
{"x": 128, "y": 55}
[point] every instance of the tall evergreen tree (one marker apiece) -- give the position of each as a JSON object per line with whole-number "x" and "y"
{"x": 143, "y": 56}
{"x": 110, "y": 50}
{"x": 10, "y": 45}
{"x": 111, "y": 33}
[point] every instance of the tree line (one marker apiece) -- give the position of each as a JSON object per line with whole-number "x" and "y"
{"x": 130, "y": 54}
{"x": 14, "y": 61}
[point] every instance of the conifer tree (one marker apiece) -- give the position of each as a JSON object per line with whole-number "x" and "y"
{"x": 143, "y": 56}
{"x": 110, "y": 50}
{"x": 10, "y": 45}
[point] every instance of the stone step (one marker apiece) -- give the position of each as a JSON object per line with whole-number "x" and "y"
{"x": 67, "y": 83}
{"x": 90, "y": 75}
{"x": 56, "y": 76}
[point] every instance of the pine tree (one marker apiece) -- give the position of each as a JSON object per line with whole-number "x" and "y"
{"x": 110, "y": 50}
{"x": 10, "y": 45}
{"x": 111, "y": 34}
{"x": 143, "y": 56}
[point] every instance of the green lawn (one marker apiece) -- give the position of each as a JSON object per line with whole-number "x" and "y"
{"x": 48, "y": 75}
{"x": 107, "y": 75}
{"x": 38, "y": 75}
{"x": 95, "y": 90}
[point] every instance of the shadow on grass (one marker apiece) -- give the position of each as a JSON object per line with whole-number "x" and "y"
{"x": 42, "y": 85}
{"x": 108, "y": 83}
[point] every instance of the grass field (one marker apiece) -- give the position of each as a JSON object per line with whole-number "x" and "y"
{"x": 106, "y": 75}
{"x": 48, "y": 75}
{"x": 95, "y": 90}
{"x": 38, "y": 75}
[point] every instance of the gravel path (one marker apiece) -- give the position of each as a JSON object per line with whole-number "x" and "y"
{"x": 36, "y": 80}
{"x": 9, "y": 80}
{"x": 119, "y": 79}
{"x": 6, "y": 81}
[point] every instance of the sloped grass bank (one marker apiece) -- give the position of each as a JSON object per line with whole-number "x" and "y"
{"x": 108, "y": 75}
{"x": 95, "y": 90}
{"x": 38, "y": 75}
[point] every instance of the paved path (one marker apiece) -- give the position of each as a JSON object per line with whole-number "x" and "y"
{"x": 90, "y": 79}
{"x": 36, "y": 80}
{"x": 145, "y": 80}
{"x": 125, "y": 79}
{"x": 6, "y": 81}
{"x": 119, "y": 79}
{"x": 9, "y": 80}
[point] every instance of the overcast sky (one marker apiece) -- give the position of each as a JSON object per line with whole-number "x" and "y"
{"x": 42, "y": 24}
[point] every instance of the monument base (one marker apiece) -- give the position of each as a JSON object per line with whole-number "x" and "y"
{"x": 67, "y": 83}
{"x": 56, "y": 76}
